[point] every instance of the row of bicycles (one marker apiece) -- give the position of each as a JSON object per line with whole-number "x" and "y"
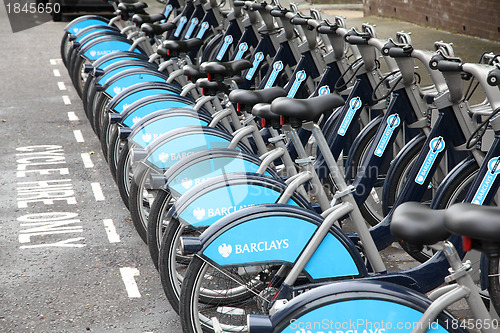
{"x": 267, "y": 156}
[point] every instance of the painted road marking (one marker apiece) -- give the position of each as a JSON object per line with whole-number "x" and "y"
{"x": 54, "y": 62}
{"x": 56, "y": 72}
{"x": 78, "y": 136}
{"x": 128, "y": 274}
{"x": 109, "y": 226}
{"x": 66, "y": 100}
{"x": 96, "y": 188}
{"x": 61, "y": 85}
{"x": 87, "y": 161}
{"x": 72, "y": 116}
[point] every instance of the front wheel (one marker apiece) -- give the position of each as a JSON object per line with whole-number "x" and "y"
{"x": 494, "y": 282}
{"x": 141, "y": 198}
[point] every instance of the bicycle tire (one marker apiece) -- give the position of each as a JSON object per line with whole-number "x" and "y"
{"x": 160, "y": 207}
{"x": 494, "y": 282}
{"x": 373, "y": 215}
{"x": 115, "y": 148}
{"x": 124, "y": 175}
{"x": 64, "y": 48}
{"x": 140, "y": 199}
{"x": 396, "y": 176}
{"x": 239, "y": 293}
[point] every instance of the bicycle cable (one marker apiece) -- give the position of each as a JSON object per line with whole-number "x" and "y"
{"x": 374, "y": 99}
{"x": 337, "y": 88}
{"x": 479, "y": 132}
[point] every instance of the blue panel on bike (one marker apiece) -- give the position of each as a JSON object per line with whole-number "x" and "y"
{"x": 174, "y": 150}
{"x": 210, "y": 207}
{"x": 86, "y": 33}
{"x": 362, "y": 316}
{"x": 129, "y": 80}
{"x": 272, "y": 238}
{"x": 436, "y": 145}
{"x": 154, "y": 129}
{"x": 104, "y": 78}
{"x": 143, "y": 111}
{"x": 131, "y": 98}
{"x": 78, "y": 26}
{"x": 114, "y": 60}
{"x": 487, "y": 182}
{"x": 342, "y": 265}
{"x": 209, "y": 168}
{"x": 100, "y": 49}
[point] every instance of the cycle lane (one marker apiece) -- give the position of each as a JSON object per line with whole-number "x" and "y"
{"x": 71, "y": 259}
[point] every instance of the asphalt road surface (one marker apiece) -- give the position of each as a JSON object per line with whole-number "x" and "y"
{"x": 71, "y": 260}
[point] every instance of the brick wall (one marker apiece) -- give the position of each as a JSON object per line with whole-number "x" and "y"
{"x": 473, "y": 17}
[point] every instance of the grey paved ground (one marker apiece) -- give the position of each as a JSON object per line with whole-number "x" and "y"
{"x": 80, "y": 288}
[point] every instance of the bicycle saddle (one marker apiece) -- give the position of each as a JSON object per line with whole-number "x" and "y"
{"x": 419, "y": 225}
{"x": 140, "y": 19}
{"x": 211, "y": 88}
{"x": 151, "y": 29}
{"x": 474, "y": 221}
{"x": 131, "y": 7}
{"x": 306, "y": 109}
{"x": 172, "y": 48}
{"x": 252, "y": 97}
{"x": 263, "y": 110}
{"x": 193, "y": 72}
{"x": 226, "y": 69}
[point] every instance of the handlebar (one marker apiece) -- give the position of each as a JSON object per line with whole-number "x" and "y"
{"x": 493, "y": 78}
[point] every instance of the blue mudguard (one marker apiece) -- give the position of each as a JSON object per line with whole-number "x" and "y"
{"x": 206, "y": 203}
{"x": 101, "y": 46}
{"x": 353, "y": 306}
{"x": 83, "y": 33}
{"x": 277, "y": 234}
{"x": 138, "y": 91}
{"x": 204, "y": 165}
{"x": 175, "y": 145}
{"x": 141, "y": 108}
{"x": 111, "y": 58}
{"x": 128, "y": 77}
{"x": 83, "y": 22}
{"x": 160, "y": 122}
{"x": 121, "y": 66}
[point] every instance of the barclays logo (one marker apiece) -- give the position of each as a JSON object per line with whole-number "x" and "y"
{"x": 225, "y": 250}
{"x": 263, "y": 246}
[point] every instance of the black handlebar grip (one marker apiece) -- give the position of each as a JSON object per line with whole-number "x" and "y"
{"x": 277, "y": 12}
{"x": 239, "y": 3}
{"x": 325, "y": 29}
{"x": 449, "y": 66}
{"x": 356, "y": 40}
{"x": 258, "y": 6}
{"x": 297, "y": 20}
{"x": 400, "y": 52}
{"x": 494, "y": 77}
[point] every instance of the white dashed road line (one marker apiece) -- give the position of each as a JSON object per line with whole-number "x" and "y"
{"x": 61, "y": 85}
{"x": 87, "y": 161}
{"x": 56, "y": 72}
{"x": 96, "y": 188}
{"x": 78, "y": 136}
{"x": 66, "y": 100}
{"x": 128, "y": 274}
{"x": 72, "y": 116}
{"x": 109, "y": 226}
